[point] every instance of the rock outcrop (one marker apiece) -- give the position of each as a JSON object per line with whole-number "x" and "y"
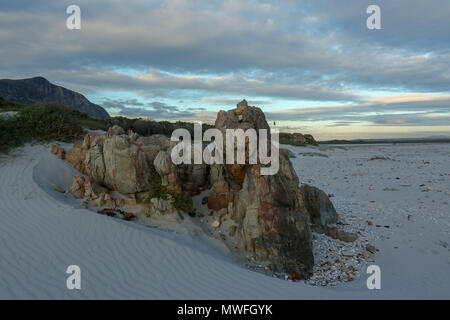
{"x": 139, "y": 168}
{"x": 271, "y": 217}
{"x": 297, "y": 139}
{"x": 272, "y": 224}
{"x": 119, "y": 161}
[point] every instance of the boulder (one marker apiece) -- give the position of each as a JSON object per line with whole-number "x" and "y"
{"x": 117, "y": 160}
{"x": 319, "y": 207}
{"x": 347, "y": 236}
{"x": 126, "y": 167}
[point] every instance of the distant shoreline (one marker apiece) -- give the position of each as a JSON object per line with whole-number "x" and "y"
{"x": 379, "y": 141}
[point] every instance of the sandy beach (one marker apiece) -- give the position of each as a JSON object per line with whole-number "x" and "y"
{"x": 403, "y": 192}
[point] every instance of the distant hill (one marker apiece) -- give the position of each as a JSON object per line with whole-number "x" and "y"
{"x": 40, "y": 90}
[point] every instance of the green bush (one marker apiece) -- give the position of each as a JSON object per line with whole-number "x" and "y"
{"x": 11, "y": 134}
{"x": 42, "y": 123}
{"x": 50, "y": 122}
{"x": 8, "y": 106}
{"x": 183, "y": 202}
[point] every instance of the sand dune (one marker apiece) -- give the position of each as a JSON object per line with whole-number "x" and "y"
{"x": 42, "y": 232}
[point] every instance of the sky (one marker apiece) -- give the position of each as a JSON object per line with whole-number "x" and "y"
{"x": 312, "y": 66}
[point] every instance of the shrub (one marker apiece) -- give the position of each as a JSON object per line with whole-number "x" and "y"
{"x": 11, "y": 134}
{"x": 49, "y": 122}
{"x": 183, "y": 202}
{"x": 8, "y": 106}
{"x": 42, "y": 123}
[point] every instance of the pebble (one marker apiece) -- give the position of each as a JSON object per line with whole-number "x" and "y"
{"x": 215, "y": 224}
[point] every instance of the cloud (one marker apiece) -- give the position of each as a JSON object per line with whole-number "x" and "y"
{"x": 134, "y": 109}
{"x": 315, "y": 48}
{"x": 209, "y": 53}
{"x": 399, "y": 110}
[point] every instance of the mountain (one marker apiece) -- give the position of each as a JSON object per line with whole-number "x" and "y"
{"x": 40, "y": 90}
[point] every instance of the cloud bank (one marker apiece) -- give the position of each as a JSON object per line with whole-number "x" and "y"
{"x": 188, "y": 59}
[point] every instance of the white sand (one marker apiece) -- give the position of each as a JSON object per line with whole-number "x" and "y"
{"x": 41, "y": 233}
{"x": 7, "y": 114}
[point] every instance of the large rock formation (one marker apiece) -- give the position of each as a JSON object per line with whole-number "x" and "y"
{"x": 272, "y": 223}
{"x": 271, "y": 216}
{"x": 40, "y": 90}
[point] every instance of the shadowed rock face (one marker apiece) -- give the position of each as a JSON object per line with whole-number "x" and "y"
{"x": 40, "y": 90}
{"x": 273, "y": 225}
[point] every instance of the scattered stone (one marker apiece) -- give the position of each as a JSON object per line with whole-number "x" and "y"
{"x": 215, "y": 224}
{"x": 443, "y": 243}
{"x": 59, "y": 189}
{"x": 349, "y": 254}
{"x": 347, "y": 236}
{"x": 371, "y": 248}
{"x": 365, "y": 255}
{"x": 379, "y": 158}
